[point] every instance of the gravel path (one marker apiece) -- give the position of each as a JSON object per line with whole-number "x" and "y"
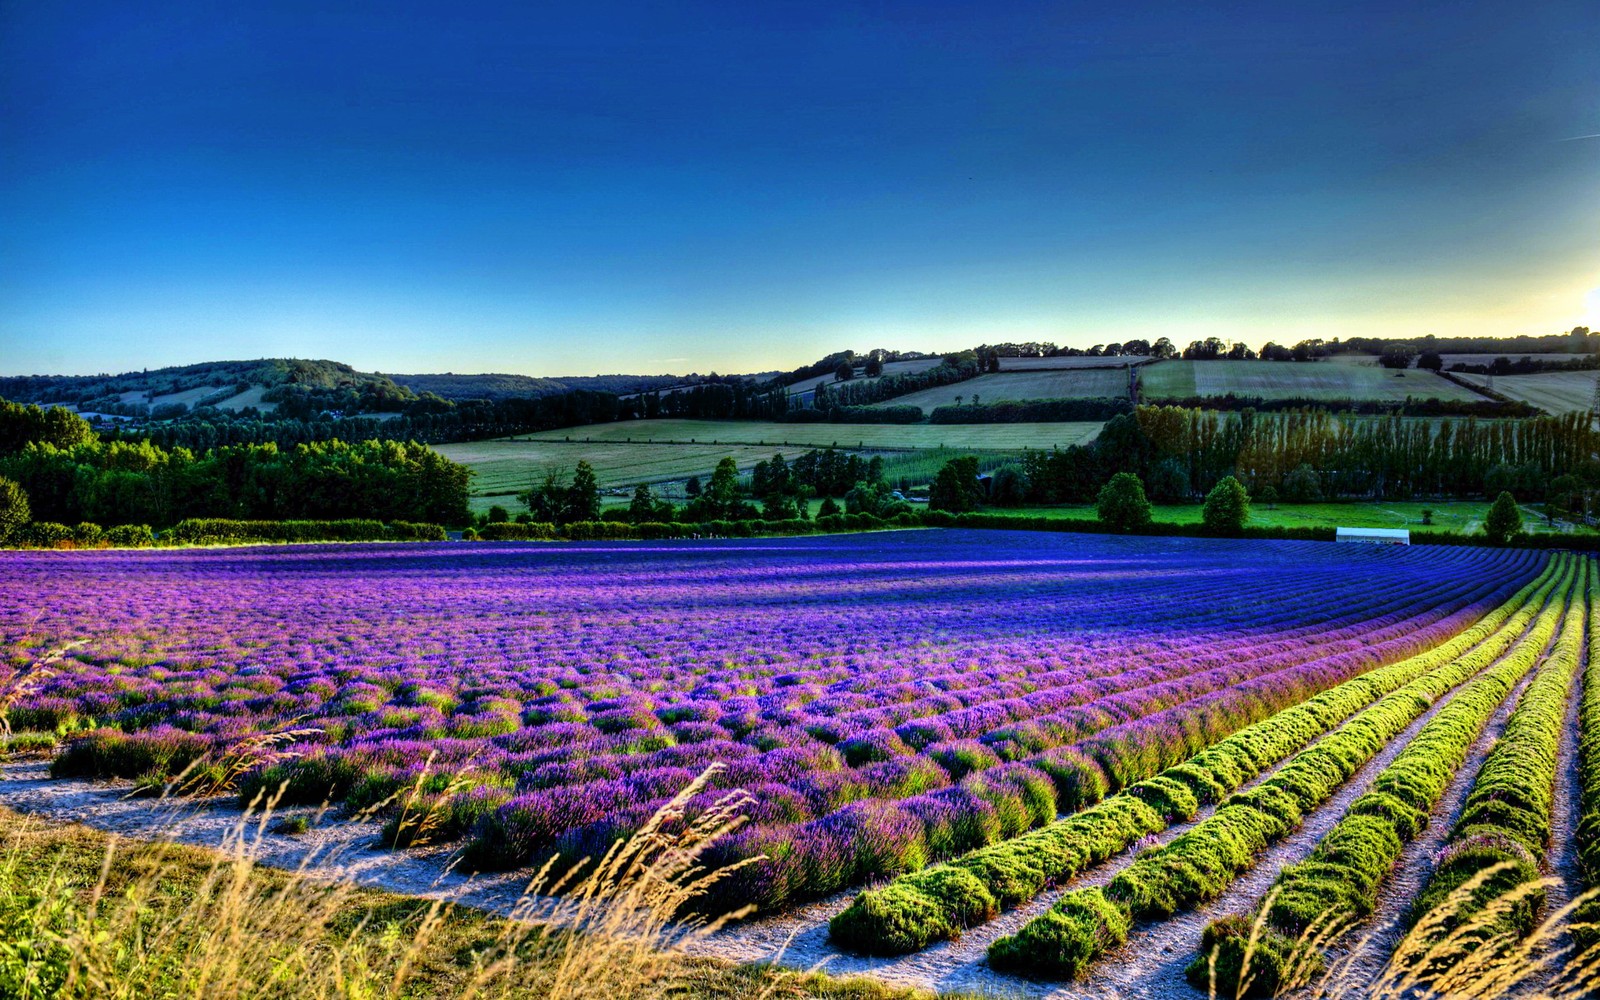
{"x": 344, "y": 850}
{"x": 799, "y": 938}
{"x": 1417, "y": 859}
{"x": 333, "y": 849}
{"x": 1151, "y": 964}
{"x": 1568, "y": 799}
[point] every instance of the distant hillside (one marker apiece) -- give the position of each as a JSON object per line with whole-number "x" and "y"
{"x": 452, "y": 386}
{"x": 216, "y": 375}
{"x": 236, "y": 385}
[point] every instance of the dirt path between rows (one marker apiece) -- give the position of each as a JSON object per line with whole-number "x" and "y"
{"x": 334, "y": 849}
{"x": 1568, "y": 808}
{"x": 799, "y": 938}
{"x": 346, "y": 850}
{"x": 1151, "y": 964}
{"x": 1411, "y": 873}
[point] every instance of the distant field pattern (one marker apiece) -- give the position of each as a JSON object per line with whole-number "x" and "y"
{"x": 1034, "y": 364}
{"x": 669, "y": 451}
{"x": 1063, "y": 383}
{"x": 1288, "y": 380}
{"x": 889, "y": 368}
{"x": 1552, "y": 392}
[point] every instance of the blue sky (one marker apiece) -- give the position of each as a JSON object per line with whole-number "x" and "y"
{"x": 606, "y": 187}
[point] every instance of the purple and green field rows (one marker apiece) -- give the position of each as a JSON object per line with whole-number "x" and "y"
{"x": 935, "y": 727}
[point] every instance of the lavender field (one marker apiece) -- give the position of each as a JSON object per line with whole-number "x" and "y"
{"x": 957, "y": 722}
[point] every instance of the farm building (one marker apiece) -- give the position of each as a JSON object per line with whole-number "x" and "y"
{"x": 1374, "y": 536}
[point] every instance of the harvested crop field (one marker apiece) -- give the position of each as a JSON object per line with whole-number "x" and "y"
{"x": 670, "y": 451}
{"x": 1068, "y": 362}
{"x": 1552, "y": 392}
{"x": 1064, "y": 383}
{"x": 972, "y": 756}
{"x": 1290, "y": 380}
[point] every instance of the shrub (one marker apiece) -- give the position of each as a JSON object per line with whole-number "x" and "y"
{"x": 222, "y": 531}
{"x": 87, "y": 535}
{"x": 14, "y": 508}
{"x": 1227, "y": 507}
{"x": 43, "y": 535}
{"x": 1504, "y": 520}
{"x": 1121, "y": 505}
{"x": 131, "y": 536}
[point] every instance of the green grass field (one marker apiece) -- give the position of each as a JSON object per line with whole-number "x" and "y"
{"x": 1552, "y": 392}
{"x": 1448, "y": 515}
{"x": 1078, "y": 362}
{"x": 1288, "y": 380}
{"x": 889, "y": 368}
{"x": 670, "y": 451}
{"x": 1062, "y": 383}
{"x": 767, "y": 435}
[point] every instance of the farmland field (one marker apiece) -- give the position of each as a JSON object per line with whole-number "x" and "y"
{"x": 1063, "y": 383}
{"x": 1068, "y": 362}
{"x": 1011, "y": 709}
{"x": 889, "y": 368}
{"x": 1289, "y": 380}
{"x": 668, "y": 451}
{"x": 1464, "y": 516}
{"x": 1552, "y": 392}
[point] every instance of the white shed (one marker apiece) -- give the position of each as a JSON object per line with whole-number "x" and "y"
{"x": 1374, "y": 536}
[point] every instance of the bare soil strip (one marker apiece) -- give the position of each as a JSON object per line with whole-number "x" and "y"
{"x": 1568, "y": 808}
{"x": 1152, "y": 963}
{"x": 799, "y": 938}
{"x": 1417, "y": 860}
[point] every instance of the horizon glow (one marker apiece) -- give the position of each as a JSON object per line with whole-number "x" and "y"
{"x": 646, "y": 188}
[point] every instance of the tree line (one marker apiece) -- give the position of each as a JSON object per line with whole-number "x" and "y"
{"x": 1180, "y": 453}
{"x": 70, "y": 476}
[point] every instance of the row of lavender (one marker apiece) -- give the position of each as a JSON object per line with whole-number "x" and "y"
{"x": 890, "y": 699}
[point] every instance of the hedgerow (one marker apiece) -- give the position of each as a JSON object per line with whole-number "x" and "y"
{"x": 922, "y": 907}
{"x": 1201, "y": 863}
{"x": 221, "y": 531}
{"x": 1339, "y": 882}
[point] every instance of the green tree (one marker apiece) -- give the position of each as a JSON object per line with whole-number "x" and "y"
{"x": 829, "y": 508}
{"x": 780, "y": 507}
{"x": 581, "y": 502}
{"x": 1227, "y": 507}
{"x": 1302, "y": 485}
{"x": 1561, "y": 496}
{"x": 646, "y": 506}
{"x": 498, "y": 514}
{"x": 719, "y": 499}
{"x": 1169, "y": 480}
{"x": 956, "y": 488}
{"x": 14, "y": 510}
{"x": 1504, "y": 520}
{"x": 1009, "y": 487}
{"x": 1122, "y": 505}
{"x": 545, "y": 499}
{"x": 21, "y": 425}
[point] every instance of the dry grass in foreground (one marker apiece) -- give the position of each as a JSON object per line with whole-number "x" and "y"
{"x": 1466, "y": 947}
{"x": 85, "y": 915}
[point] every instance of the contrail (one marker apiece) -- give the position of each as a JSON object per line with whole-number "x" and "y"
{"x": 1575, "y": 138}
